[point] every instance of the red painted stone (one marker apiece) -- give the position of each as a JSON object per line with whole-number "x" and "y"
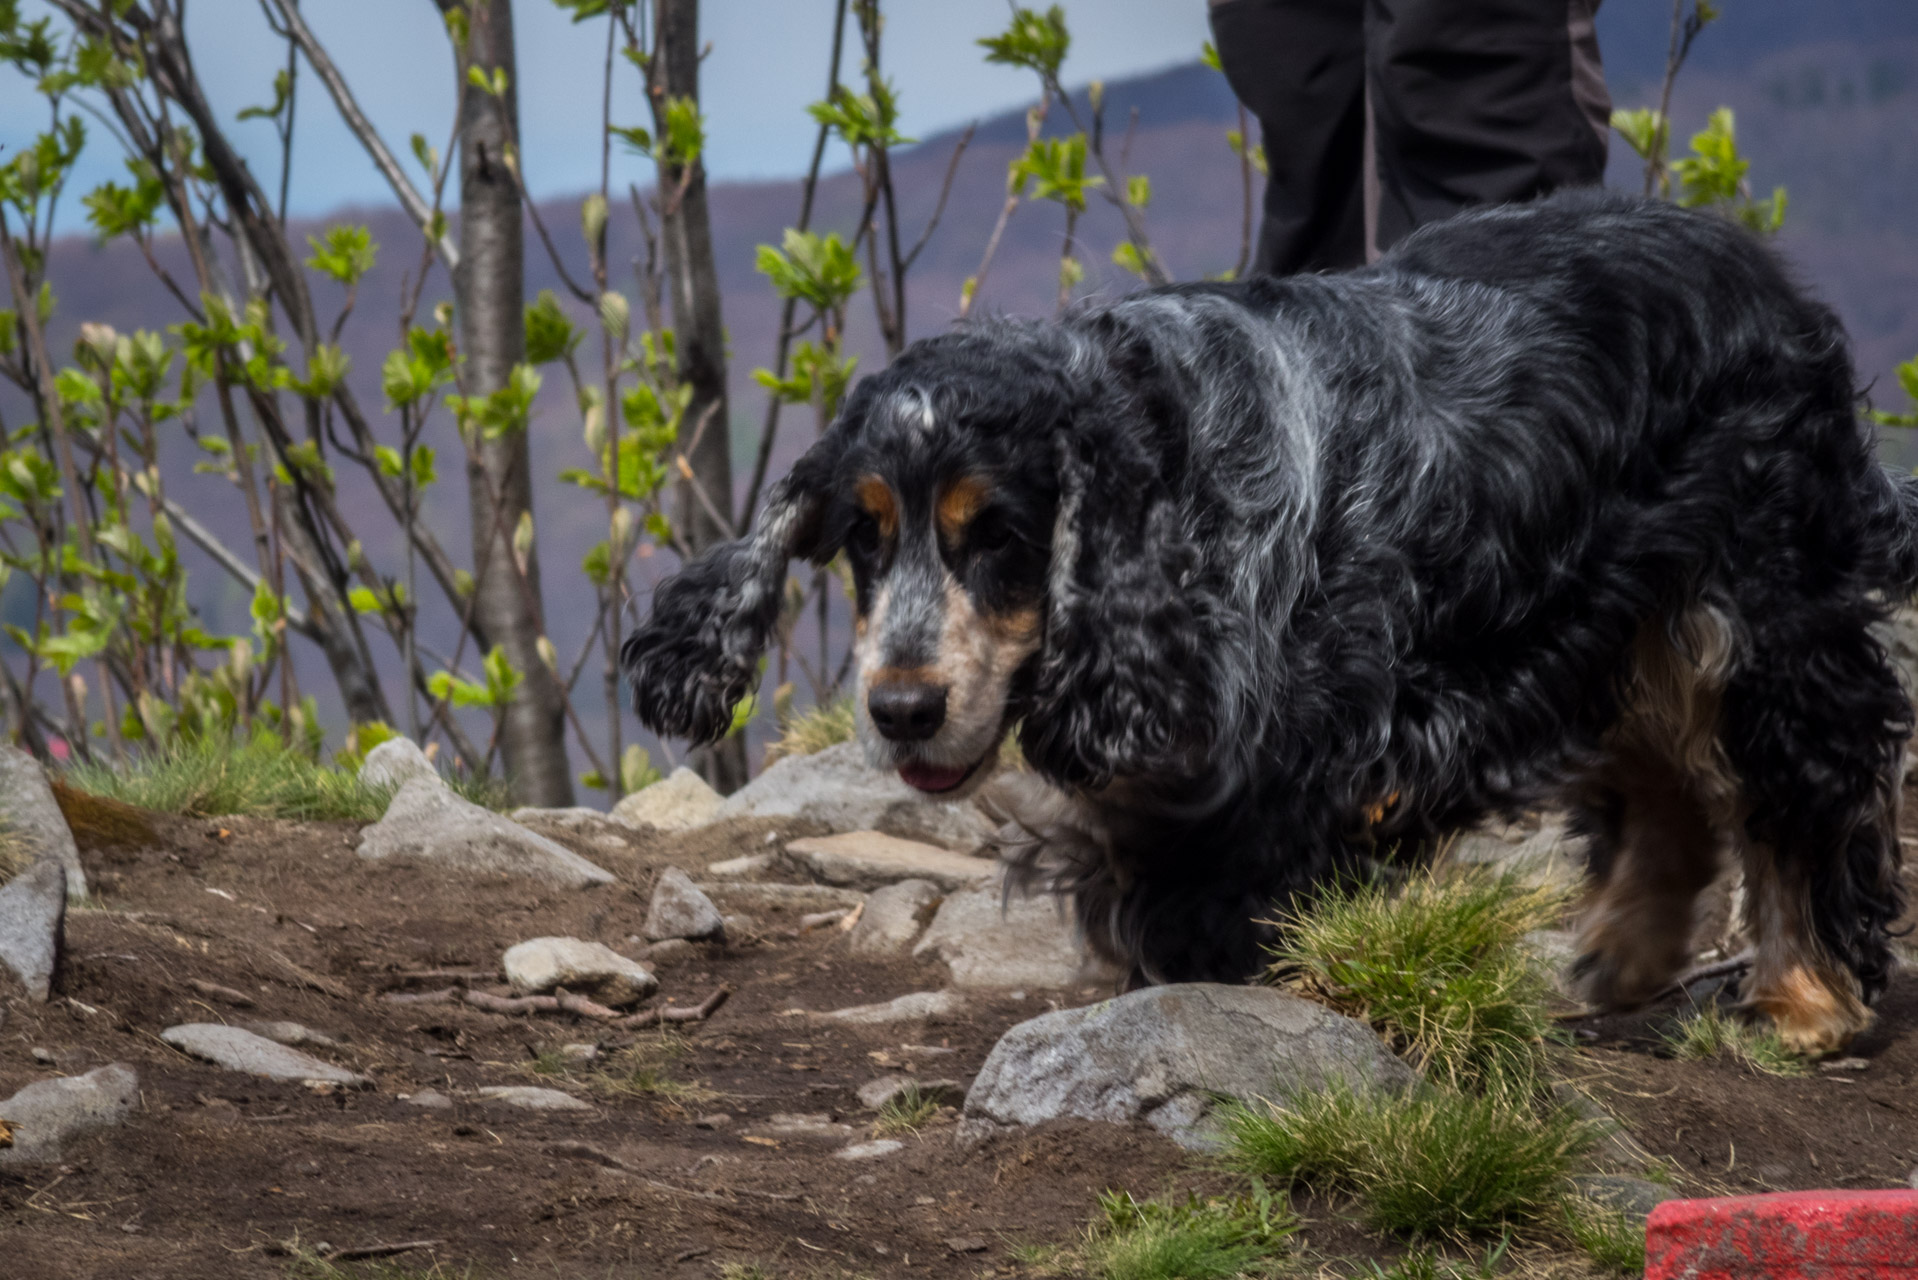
{"x": 1796, "y": 1235}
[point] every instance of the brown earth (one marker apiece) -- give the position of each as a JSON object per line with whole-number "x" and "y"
{"x": 219, "y": 1174}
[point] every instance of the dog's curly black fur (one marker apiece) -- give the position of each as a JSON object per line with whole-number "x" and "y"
{"x": 1331, "y": 563}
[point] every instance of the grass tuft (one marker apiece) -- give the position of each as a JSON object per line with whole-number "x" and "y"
{"x": 743, "y": 1271}
{"x": 907, "y": 1111}
{"x": 1613, "y": 1240}
{"x": 14, "y": 856}
{"x": 645, "y": 1070}
{"x": 1712, "y": 1033}
{"x": 212, "y": 778}
{"x": 1212, "y": 1239}
{"x": 1437, "y": 965}
{"x": 1429, "y": 1264}
{"x": 1427, "y": 1162}
{"x": 308, "y": 1265}
{"x": 802, "y": 733}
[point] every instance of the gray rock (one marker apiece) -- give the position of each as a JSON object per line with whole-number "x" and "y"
{"x": 48, "y": 1114}
{"x": 292, "y": 1034}
{"x": 533, "y": 1098}
{"x": 396, "y": 762}
{"x": 588, "y": 825}
{"x": 664, "y": 955}
{"x": 869, "y": 1150}
{"x": 912, "y": 1007}
{"x": 817, "y": 1125}
{"x": 894, "y": 917}
{"x": 872, "y": 859}
{"x": 431, "y": 1099}
{"x": 240, "y": 1050}
{"x": 1636, "y": 1197}
{"x": 838, "y": 789}
{"x": 427, "y": 825}
{"x": 584, "y": 968}
{"x": 1548, "y": 855}
{"x": 875, "y": 1094}
{"x": 33, "y": 912}
{"x": 1026, "y": 942}
{"x": 28, "y": 809}
{"x": 680, "y": 910}
{"x": 780, "y": 897}
{"x": 680, "y": 802}
{"x": 1164, "y": 1054}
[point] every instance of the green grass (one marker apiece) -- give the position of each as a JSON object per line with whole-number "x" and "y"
{"x": 907, "y": 1111}
{"x": 1428, "y": 1264}
{"x": 802, "y": 733}
{"x": 743, "y": 1271}
{"x": 210, "y": 778}
{"x": 1427, "y": 1162}
{"x": 1712, "y": 1033}
{"x": 308, "y": 1265}
{"x": 1438, "y": 965}
{"x": 1613, "y": 1240}
{"x": 1211, "y": 1239}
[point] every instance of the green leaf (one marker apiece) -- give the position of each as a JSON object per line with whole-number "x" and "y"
{"x": 1057, "y": 169}
{"x": 1033, "y": 40}
{"x": 390, "y": 462}
{"x": 346, "y": 254}
{"x": 1642, "y": 128}
{"x": 1138, "y": 190}
{"x": 1126, "y": 255}
{"x": 819, "y": 270}
{"x": 550, "y": 335}
{"x": 282, "y": 92}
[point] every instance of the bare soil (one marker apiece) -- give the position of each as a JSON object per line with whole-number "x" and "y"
{"x": 218, "y": 1174}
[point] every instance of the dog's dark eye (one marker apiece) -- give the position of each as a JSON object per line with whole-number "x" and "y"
{"x": 863, "y": 538}
{"x": 990, "y": 532}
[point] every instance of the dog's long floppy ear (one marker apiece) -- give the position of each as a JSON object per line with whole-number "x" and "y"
{"x": 1125, "y": 683}
{"x": 698, "y": 654}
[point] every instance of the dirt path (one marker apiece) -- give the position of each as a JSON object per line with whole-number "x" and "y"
{"x": 680, "y": 1165}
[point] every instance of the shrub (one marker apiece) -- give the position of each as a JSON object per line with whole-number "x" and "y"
{"x": 1438, "y": 965}
{"x": 212, "y": 777}
{"x": 1212, "y": 1239}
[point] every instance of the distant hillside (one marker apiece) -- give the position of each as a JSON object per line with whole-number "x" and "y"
{"x": 1831, "y": 120}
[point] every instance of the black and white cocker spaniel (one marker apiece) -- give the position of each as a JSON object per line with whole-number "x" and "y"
{"x": 1562, "y": 503}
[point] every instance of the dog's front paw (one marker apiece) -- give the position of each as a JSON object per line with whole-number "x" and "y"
{"x": 1815, "y": 1014}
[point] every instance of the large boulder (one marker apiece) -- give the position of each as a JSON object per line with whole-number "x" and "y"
{"x": 33, "y": 910}
{"x": 839, "y": 790}
{"x": 592, "y": 969}
{"x": 396, "y": 762}
{"x": 870, "y": 859}
{"x": 48, "y": 1114}
{"x": 254, "y": 1055}
{"x": 679, "y": 802}
{"x": 987, "y": 940}
{"x": 427, "y": 825}
{"x": 680, "y": 910}
{"x": 894, "y": 917}
{"x": 29, "y": 811}
{"x": 1164, "y": 1055}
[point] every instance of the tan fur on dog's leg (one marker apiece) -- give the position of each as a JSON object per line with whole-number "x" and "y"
{"x": 1813, "y": 1003}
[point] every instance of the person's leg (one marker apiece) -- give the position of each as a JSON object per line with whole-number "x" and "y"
{"x": 1481, "y": 102}
{"x": 1299, "y": 66}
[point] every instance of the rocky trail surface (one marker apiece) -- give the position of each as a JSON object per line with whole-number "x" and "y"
{"x": 563, "y": 1045}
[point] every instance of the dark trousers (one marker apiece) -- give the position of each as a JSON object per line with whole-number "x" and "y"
{"x": 1469, "y": 102}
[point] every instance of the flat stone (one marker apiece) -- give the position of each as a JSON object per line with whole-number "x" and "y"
{"x": 912, "y": 1007}
{"x": 396, "y": 762}
{"x": 1636, "y": 1197}
{"x": 48, "y": 1114}
{"x": 734, "y": 868}
{"x": 680, "y": 910}
{"x": 29, "y": 811}
{"x": 292, "y": 1034}
{"x": 869, "y": 1150}
{"x": 431, "y": 1099}
{"x": 989, "y": 942}
{"x": 817, "y": 1125}
{"x": 839, "y": 790}
{"x": 780, "y": 897}
{"x": 427, "y": 825}
{"x": 539, "y": 965}
{"x": 875, "y": 1094}
{"x": 1165, "y": 1054}
{"x": 872, "y": 859}
{"x": 33, "y": 912}
{"x": 533, "y": 1098}
{"x": 679, "y": 802}
{"x": 240, "y": 1050}
{"x": 664, "y": 955}
{"x": 894, "y": 918}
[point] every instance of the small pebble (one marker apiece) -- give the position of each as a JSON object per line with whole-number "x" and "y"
{"x": 43, "y": 1057}
{"x": 717, "y": 1120}
{"x": 430, "y": 1098}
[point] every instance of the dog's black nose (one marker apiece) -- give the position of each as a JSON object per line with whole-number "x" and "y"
{"x": 907, "y": 710}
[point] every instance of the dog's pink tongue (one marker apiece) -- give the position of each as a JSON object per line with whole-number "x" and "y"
{"x": 927, "y": 777}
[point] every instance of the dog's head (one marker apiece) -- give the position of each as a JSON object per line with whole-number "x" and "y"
{"x": 1002, "y": 501}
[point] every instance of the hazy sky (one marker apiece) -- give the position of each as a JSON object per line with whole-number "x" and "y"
{"x": 768, "y": 60}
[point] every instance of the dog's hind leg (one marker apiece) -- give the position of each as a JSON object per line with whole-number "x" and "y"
{"x": 1815, "y": 723}
{"x": 1652, "y": 811}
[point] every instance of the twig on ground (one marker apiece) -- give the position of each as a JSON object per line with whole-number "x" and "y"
{"x": 564, "y": 1002}
{"x": 671, "y": 1013}
{"x": 377, "y": 1250}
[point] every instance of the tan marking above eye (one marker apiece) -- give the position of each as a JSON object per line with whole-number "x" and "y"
{"x": 876, "y": 499}
{"x": 963, "y": 499}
